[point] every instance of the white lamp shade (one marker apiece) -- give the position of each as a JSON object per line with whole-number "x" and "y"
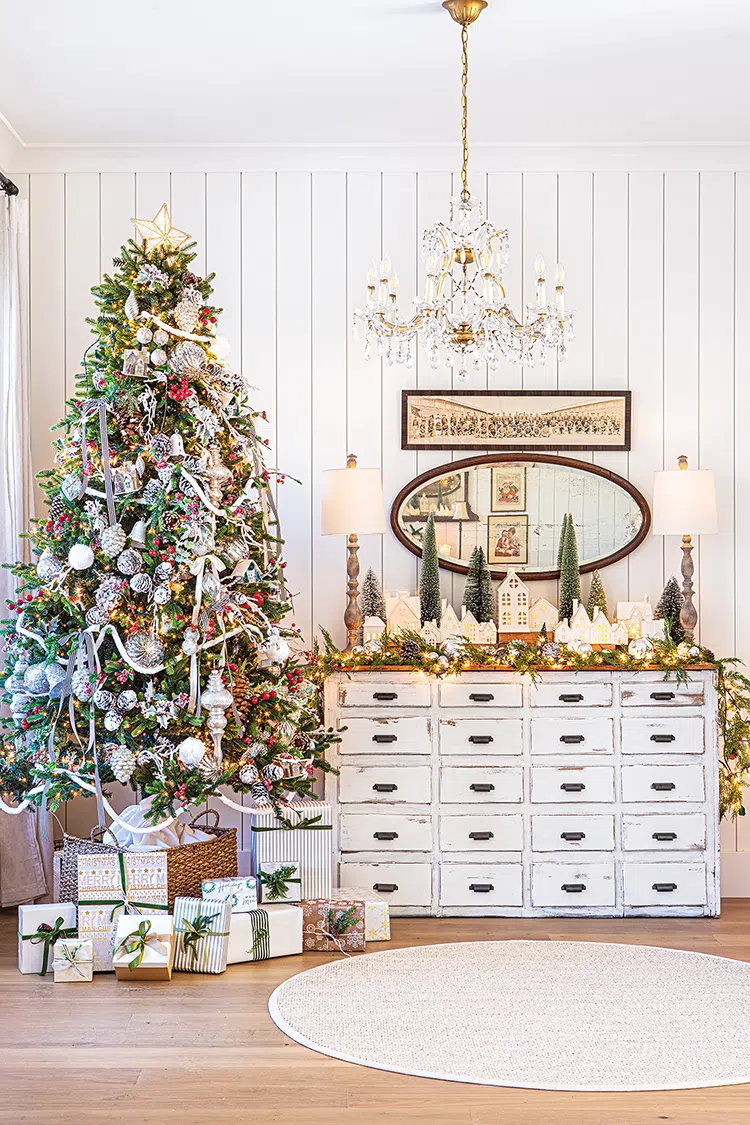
{"x": 352, "y": 502}
{"x": 685, "y": 502}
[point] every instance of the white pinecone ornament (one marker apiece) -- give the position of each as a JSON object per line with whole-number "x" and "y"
{"x": 82, "y": 686}
{"x": 113, "y": 539}
{"x": 187, "y": 311}
{"x": 122, "y": 763}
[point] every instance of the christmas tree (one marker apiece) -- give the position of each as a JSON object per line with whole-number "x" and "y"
{"x": 473, "y": 589}
{"x": 570, "y": 578}
{"x": 597, "y": 596}
{"x": 561, "y": 545}
{"x": 371, "y": 598}
{"x": 430, "y": 602}
{"x": 486, "y": 610}
{"x": 159, "y": 571}
{"x": 668, "y": 609}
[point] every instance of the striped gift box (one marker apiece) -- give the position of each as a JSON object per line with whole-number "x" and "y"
{"x": 201, "y": 930}
{"x": 304, "y": 836}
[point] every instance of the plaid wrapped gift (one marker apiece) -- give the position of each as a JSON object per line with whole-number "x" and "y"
{"x": 144, "y": 949}
{"x": 116, "y": 884}
{"x": 328, "y": 926}
{"x": 201, "y": 928}
{"x": 74, "y": 961}
{"x": 377, "y": 917}
{"x": 270, "y": 931}
{"x": 302, "y": 835}
{"x": 279, "y": 881}
{"x": 241, "y": 894}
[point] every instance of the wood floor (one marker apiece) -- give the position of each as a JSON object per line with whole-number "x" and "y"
{"x": 202, "y": 1050}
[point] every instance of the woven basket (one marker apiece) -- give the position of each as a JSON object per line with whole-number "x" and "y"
{"x": 73, "y": 846}
{"x": 189, "y": 864}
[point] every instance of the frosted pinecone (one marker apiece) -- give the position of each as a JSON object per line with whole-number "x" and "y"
{"x": 153, "y": 492}
{"x": 109, "y": 593}
{"x": 409, "y": 651}
{"x": 82, "y": 685}
{"x": 113, "y": 539}
{"x": 122, "y": 763}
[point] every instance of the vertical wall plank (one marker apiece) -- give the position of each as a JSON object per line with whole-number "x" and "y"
{"x": 117, "y": 209}
{"x": 189, "y": 212}
{"x": 539, "y": 237}
{"x": 151, "y": 190}
{"x": 505, "y": 212}
{"x": 82, "y": 227}
{"x": 223, "y": 254}
{"x": 742, "y": 420}
{"x": 575, "y": 253}
{"x": 715, "y": 578}
{"x": 259, "y": 296}
{"x": 329, "y": 346}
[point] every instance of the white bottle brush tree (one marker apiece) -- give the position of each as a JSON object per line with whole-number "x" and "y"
{"x": 147, "y": 638}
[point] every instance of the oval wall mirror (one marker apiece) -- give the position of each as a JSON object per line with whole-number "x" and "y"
{"x": 513, "y": 505}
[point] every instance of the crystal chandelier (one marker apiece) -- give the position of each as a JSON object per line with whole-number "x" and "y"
{"x": 463, "y": 313}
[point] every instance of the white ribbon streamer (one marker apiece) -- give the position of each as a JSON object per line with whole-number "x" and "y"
{"x": 170, "y": 328}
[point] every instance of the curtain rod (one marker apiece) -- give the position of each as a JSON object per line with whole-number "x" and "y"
{"x": 7, "y": 185}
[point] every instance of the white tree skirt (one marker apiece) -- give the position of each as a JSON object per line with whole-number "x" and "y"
{"x": 548, "y": 1015}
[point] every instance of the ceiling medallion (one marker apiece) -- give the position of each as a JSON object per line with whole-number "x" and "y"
{"x": 463, "y": 313}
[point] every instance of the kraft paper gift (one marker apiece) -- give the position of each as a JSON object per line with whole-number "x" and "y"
{"x": 303, "y": 835}
{"x": 144, "y": 947}
{"x": 330, "y": 927}
{"x": 201, "y": 928}
{"x": 74, "y": 961}
{"x": 279, "y": 881}
{"x": 241, "y": 894}
{"x": 377, "y": 917}
{"x": 40, "y": 926}
{"x": 270, "y": 931}
{"x": 115, "y": 884}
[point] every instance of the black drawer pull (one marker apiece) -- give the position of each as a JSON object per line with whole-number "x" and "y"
{"x": 385, "y": 787}
{"x": 385, "y": 695}
{"x": 385, "y": 835}
{"x": 663, "y": 696}
{"x": 481, "y": 696}
{"x": 663, "y": 886}
{"x": 385, "y": 886}
{"x": 572, "y": 835}
{"x": 385, "y": 738}
{"x": 573, "y": 888}
{"x": 663, "y": 835}
{"x": 481, "y": 787}
{"x": 481, "y": 835}
{"x": 481, "y": 739}
{"x": 570, "y": 697}
{"x": 573, "y": 786}
{"x": 569, "y": 739}
{"x": 662, "y": 738}
{"x": 663, "y": 786}
{"x": 481, "y": 888}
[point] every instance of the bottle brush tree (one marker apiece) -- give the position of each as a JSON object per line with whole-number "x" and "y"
{"x": 430, "y": 602}
{"x": 371, "y": 598}
{"x": 597, "y": 596}
{"x": 570, "y": 578}
{"x": 668, "y": 609}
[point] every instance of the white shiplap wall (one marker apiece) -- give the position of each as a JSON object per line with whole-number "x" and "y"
{"x": 656, "y": 269}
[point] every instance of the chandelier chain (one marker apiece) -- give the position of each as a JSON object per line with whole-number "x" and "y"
{"x": 465, "y": 111}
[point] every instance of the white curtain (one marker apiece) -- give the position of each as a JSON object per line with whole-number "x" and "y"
{"x": 25, "y": 846}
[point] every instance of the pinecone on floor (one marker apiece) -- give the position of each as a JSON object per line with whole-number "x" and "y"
{"x": 241, "y": 693}
{"x": 409, "y": 651}
{"x": 122, "y": 763}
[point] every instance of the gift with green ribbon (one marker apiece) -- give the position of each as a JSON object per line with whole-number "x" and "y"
{"x": 116, "y": 884}
{"x": 74, "y": 961}
{"x": 45, "y": 935}
{"x": 299, "y": 833}
{"x": 144, "y": 950}
{"x": 202, "y": 929}
{"x": 279, "y": 882}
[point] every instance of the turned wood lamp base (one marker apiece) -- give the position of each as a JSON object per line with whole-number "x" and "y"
{"x": 688, "y": 612}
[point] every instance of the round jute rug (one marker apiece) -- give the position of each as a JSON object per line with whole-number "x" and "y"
{"x": 548, "y": 1015}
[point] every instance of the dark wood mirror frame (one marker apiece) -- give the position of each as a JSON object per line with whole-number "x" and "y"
{"x": 504, "y": 458}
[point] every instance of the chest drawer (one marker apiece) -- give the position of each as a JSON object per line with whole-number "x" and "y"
{"x": 652, "y": 832}
{"x": 576, "y": 694}
{"x": 663, "y": 783}
{"x": 410, "y": 784}
{"x": 390, "y": 832}
{"x": 401, "y": 884}
{"x": 481, "y": 785}
{"x": 572, "y": 833}
{"x": 369, "y": 735}
{"x": 662, "y": 693}
{"x": 678, "y": 735}
{"x": 495, "y": 884}
{"x": 572, "y": 736}
{"x": 480, "y": 695}
{"x": 474, "y": 832}
{"x": 384, "y": 695}
{"x": 573, "y": 884}
{"x": 664, "y": 884}
{"x": 567, "y": 784}
{"x": 480, "y": 736}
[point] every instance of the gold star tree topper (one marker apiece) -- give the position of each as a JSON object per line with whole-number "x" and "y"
{"x": 158, "y": 233}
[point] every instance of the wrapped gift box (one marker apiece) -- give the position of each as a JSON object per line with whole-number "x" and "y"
{"x": 115, "y": 884}
{"x": 74, "y": 961}
{"x": 279, "y": 881}
{"x": 332, "y": 927}
{"x": 302, "y": 836}
{"x": 201, "y": 934}
{"x": 144, "y": 947}
{"x": 270, "y": 931}
{"x": 241, "y": 894}
{"x": 377, "y": 916}
{"x": 40, "y": 926}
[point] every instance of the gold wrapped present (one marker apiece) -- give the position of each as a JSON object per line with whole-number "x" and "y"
{"x": 144, "y": 947}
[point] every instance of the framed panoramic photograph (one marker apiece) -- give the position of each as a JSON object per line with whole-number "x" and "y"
{"x": 507, "y": 540}
{"x": 519, "y": 420}
{"x": 508, "y": 489}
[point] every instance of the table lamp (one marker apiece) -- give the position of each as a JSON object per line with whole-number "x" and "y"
{"x": 352, "y": 505}
{"x": 685, "y": 504}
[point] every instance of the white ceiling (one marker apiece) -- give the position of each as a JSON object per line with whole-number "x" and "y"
{"x": 88, "y": 72}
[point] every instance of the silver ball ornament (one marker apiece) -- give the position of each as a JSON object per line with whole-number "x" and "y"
{"x": 640, "y": 648}
{"x": 158, "y": 357}
{"x": 161, "y": 337}
{"x": 56, "y": 680}
{"x": 35, "y": 679}
{"x": 144, "y": 335}
{"x": 48, "y": 567}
